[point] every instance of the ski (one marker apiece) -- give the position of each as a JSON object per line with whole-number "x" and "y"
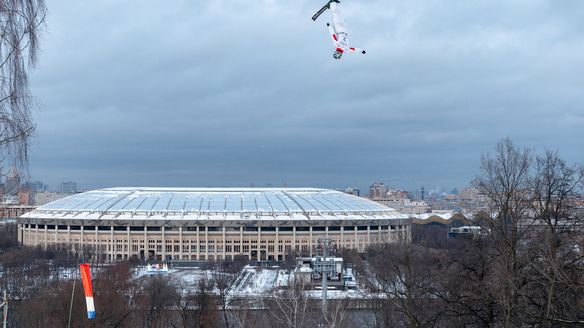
{"x": 322, "y": 10}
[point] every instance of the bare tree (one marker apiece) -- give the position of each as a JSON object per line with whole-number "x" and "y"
{"x": 206, "y": 316}
{"x": 155, "y": 300}
{"x": 337, "y": 315}
{"x": 21, "y": 21}
{"x": 114, "y": 295}
{"x": 8, "y": 237}
{"x": 290, "y": 307}
{"x": 556, "y": 187}
{"x": 466, "y": 283}
{"x": 504, "y": 182}
{"x": 198, "y": 308}
{"x": 246, "y": 313}
{"x": 402, "y": 273}
{"x": 223, "y": 281}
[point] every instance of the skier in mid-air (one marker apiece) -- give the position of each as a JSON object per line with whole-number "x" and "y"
{"x": 338, "y": 30}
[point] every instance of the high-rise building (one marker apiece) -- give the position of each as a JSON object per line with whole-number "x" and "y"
{"x": 69, "y": 187}
{"x": 12, "y": 184}
{"x": 378, "y": 191}
{"x": 36, "y": 186}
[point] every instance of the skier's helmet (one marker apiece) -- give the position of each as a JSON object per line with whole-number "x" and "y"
{"x": 338, "y": 54}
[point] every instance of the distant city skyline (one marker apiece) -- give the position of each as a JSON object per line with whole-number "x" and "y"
{"x": 234, "y": 93}
{"x": 72, "y": 186}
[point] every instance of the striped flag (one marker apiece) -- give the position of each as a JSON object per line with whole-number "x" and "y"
{"x": 86, "y": 278}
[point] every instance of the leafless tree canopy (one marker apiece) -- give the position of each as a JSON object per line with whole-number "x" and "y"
{"x": 21, "y": 22}
{"x": 526, "y": 268}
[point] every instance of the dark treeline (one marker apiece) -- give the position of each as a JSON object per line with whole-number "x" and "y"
{"x": 41, "y": 292}
{"x": 523, "y": 268}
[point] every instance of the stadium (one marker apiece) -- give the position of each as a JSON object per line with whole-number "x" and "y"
{"x": 209, "y": 223}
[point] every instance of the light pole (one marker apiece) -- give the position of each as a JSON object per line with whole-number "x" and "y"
{"x": 5, "y": 310}
{"x": 325, "y": 241}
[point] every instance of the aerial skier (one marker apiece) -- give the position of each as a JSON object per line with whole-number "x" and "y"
{"x": 338, "y": 30}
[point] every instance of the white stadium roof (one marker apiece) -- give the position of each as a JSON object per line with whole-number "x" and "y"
{"x": 213, "y": 203}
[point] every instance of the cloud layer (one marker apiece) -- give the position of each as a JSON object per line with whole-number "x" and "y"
{"x": 216, "y": 93}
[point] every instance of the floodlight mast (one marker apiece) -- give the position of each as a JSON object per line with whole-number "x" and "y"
{"x": 325, "y": 241}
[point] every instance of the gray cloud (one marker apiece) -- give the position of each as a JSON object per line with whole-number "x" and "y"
{"x": 235, "y": 92}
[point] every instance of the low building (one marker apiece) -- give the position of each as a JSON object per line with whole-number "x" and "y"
{"x": 14, "y": 211}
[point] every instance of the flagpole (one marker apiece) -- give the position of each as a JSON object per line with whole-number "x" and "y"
{"x": 71, "y": 305}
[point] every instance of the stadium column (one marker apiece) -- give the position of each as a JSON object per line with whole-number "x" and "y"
{"x": 69, "y": 237}
{"x": 310, "y": 241}
{"x": 180, "y": 242}
{"x": 259, "y": 249}
{"x": 146, "y": 246}
{"x": 277, "y": 244}
{"x": 368, "y": 235}
{"x": 241, "y": 241}
{"x": 112, "y": 244}
{"x": 356, "y": 236}
{"x": 81, "y": 232}
{"x": 379, "y": 234}
{"x": 162, "y": 230}
{"x": 294, "y": 239}
{"x": 223, "y": 243}
{"x": 45, "y": 236}
{"x": 96, "y": 242}
{"x": 206, "y": 243}
{"x": 198, "y": 244}
{"x": 342, "y": 237}
{"x": 129, "y": 242}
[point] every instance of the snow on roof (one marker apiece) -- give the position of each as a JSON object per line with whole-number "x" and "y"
{"x": 214, "y": 203}
{"x": 425, "y": 216}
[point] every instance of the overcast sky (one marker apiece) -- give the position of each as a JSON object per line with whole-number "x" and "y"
{"x": 234, "y": 93}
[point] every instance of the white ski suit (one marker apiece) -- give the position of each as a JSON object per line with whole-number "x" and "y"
{"x": 339, "y": 32}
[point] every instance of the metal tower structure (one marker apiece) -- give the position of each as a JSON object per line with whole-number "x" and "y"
{"x": 325, "y": 266}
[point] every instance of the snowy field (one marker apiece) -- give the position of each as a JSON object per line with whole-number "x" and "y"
{"x": 253, "y": 282}
{"x": 249, "y": 282}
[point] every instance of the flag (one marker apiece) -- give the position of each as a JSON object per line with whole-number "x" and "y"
{"x": 87, "y": 287}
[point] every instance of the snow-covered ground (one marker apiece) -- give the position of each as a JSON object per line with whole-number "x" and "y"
{"x": 249, "y": 282}
{"x": 338, "y": 294}
{"x": 255, "y": 282}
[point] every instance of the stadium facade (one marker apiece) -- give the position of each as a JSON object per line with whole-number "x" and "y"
{"x": 209, "y": 223}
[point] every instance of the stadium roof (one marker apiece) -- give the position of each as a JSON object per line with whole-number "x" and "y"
{"x": 213, "y": 203}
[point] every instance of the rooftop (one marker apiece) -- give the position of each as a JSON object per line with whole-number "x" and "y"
{"x": 213, "y": 202}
